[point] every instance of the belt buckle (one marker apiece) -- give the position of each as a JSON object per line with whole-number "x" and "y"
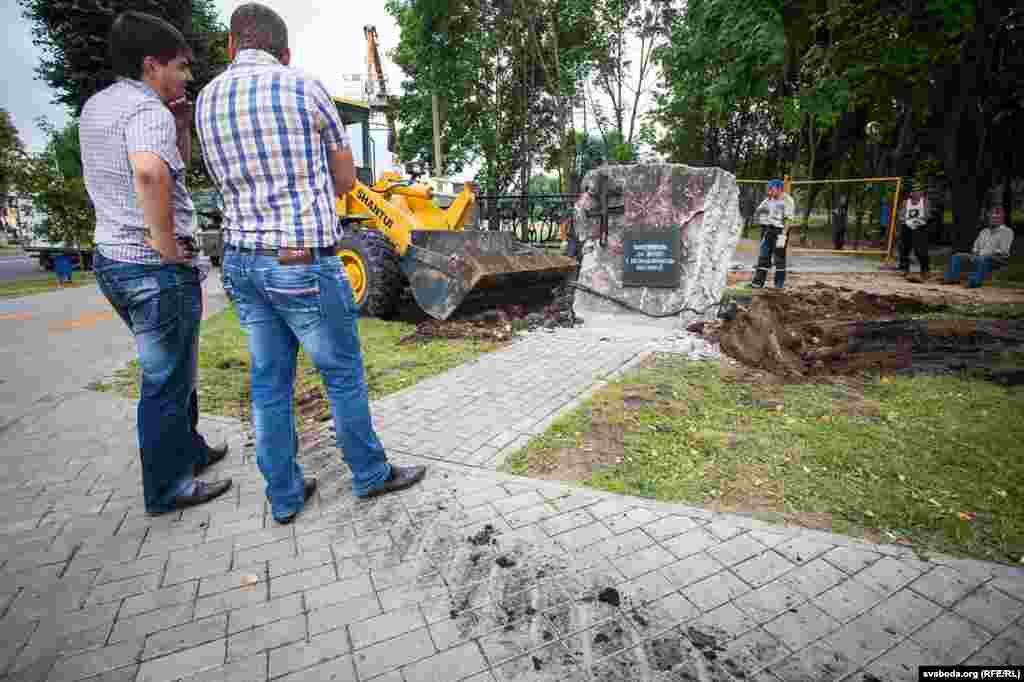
{"x": 295, "y": 256}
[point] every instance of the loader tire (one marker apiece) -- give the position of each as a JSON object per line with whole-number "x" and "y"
{"x": 371, "y": 263}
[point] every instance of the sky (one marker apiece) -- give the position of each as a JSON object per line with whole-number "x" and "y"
{"x": 22, "y": 95}
{"x": 326, "y": 40}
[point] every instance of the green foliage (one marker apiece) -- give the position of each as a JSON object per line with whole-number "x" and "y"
{"x": 723, "y": 64}
{"x": 591, "y": 153}
{"x": 505, "y": 71}
{"x": 73, "y": 38}
{"x": 543, "y": 184}
{"x": 11, "y": 151}
{"x": 53, "y": 178}
{"x": 64, "y": 147}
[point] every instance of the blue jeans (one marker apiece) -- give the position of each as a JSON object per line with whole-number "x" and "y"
{"x": 282, "y": 307}
{"x": 162, "y": 306}
{"x": 983, "y": 266}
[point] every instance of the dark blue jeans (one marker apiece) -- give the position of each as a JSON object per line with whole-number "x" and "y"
{"x": 162, "y": 306}
{"x": 282, "y": 307}
{"x": 983, "y": 266}
{"x": 773, "y": 247}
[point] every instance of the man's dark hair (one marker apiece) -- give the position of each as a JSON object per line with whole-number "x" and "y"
{"x": 136, "y": 35}
{"x": 257, "y": 27}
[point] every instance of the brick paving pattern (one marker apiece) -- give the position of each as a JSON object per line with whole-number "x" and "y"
{"x": 474, "y": 575}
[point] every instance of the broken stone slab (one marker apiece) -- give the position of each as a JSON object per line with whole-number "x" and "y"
{"x": 703, "y": 203}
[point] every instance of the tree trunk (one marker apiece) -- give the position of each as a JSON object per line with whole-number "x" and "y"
{"x": 968, "y": 153}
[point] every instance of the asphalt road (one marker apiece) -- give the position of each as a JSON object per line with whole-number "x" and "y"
{"x": 14, "y": 268}
{"x": 59, "y": 341}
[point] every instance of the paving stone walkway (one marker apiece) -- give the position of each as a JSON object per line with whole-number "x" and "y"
{"x": 474, "y": 575}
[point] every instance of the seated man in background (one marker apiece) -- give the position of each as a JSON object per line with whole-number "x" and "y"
{"x": 991, "y": 251}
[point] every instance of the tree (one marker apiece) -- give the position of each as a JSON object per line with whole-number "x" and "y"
{"x": 12, "y": 154}
{"x": 635, "y": 27}
{"x": 543, "y": 184}
{"x": 506, "y": 70}
{"x": 58, "y": 189}
{"x": 722, "y": 101}
{"x": 73, "y": 37}
{"x": 952, "y": 68}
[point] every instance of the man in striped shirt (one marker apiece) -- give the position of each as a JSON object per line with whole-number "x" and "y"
{"x": 273, "y": 141}
{"x": 134, "y": 153}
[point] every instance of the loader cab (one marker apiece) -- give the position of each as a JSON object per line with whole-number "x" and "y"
{"x": 355, "y": 116}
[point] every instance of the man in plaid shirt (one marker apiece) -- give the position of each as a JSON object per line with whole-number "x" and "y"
{"x": 273, "y": 141}
{"x": 134, "y": 154}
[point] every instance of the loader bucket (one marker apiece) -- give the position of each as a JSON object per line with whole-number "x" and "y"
{"x": 443, "y": 268}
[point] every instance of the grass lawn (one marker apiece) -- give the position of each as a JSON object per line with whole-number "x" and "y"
{"x": 933, "y": 462}
{"x": 43, "y": 283}
{"x": 390, "y": 366}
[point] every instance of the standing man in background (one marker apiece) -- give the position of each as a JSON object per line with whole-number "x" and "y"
{"x": 134, "y": 171}
{"x": 774, "y": 215}
{"x": 913, "y": 234}
{"x": 273, "y": 141}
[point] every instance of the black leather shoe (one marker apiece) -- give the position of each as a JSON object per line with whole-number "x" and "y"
{"x": 213, "y": 455}
{"x": 401, "y": 478}
{"x": 308, "y": 488}
{"x": 204, "y": 492}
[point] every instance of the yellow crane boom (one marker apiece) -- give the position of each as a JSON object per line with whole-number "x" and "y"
{"x": 377, "y": 71}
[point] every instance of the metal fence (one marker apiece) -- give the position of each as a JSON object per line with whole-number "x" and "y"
{"x": 532, "y": 217}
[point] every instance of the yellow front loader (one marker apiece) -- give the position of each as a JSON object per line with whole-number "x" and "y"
{"x": 397, "y": 234}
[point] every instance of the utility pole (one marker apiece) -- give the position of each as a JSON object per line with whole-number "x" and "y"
{"x": 435, "y": 106}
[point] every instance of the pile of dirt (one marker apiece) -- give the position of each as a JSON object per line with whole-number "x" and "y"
{"x": 547, "y": 309}
{"x": 829, "y": 331}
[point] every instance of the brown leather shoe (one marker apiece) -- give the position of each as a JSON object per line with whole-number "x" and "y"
{"x": 401, "y": 478}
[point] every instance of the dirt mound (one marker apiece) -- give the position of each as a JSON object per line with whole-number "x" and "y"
{"x": 839, "y": 331}
{"x": 547, "y": 308}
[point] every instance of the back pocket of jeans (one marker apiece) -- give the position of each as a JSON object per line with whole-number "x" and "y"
{"x": 295, "y": 293}
{"x": 148, "y": 308}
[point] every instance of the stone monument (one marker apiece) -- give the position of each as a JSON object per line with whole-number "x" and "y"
{"x": 659, "y": 238}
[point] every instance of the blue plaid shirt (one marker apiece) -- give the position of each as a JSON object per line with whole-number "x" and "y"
{"x": 265, "y": 130}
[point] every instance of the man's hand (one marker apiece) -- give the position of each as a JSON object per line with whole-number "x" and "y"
{"x": 183, "y": 110}
{"x": 343, "y": 171}
{"x": 168, "y": 247}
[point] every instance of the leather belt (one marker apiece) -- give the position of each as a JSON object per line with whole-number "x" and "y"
{"x": 287, "y": 256}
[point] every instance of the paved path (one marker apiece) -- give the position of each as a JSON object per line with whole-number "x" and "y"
{"x": 20, "y": 267}
{"x": 801, "y": 260}
{"x": 474, "y": 575}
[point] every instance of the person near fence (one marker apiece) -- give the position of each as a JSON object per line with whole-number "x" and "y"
{"x": 840, "y": 213}
{"x": 134, "y": 172}
{"x": 914, "y": 215}
{"x": 991, "y": 251}
{"x": 274, "y": 143}
{"x": 63, "y": 266}
{"x": 774, "y": 214}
